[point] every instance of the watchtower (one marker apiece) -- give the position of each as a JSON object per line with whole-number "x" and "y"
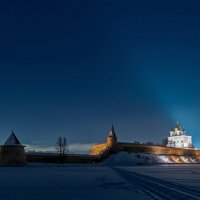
{"x": 111, "y": 139}
{"x": 12, "y": 152}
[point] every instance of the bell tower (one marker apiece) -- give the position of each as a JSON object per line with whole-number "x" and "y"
{"x": 111, "y": 139}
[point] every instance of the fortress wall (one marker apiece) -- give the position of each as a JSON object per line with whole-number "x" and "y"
{"x": 98, "y": 149}
{"x": 139, "y": 148}
{"x": 63, "y": 158}
{"x": 103, "y": 152}
{"x": 12, "y": 155}
{"x": 157, "y": 150}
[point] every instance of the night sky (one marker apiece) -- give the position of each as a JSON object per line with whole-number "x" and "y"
{"x": 74, "y": 68}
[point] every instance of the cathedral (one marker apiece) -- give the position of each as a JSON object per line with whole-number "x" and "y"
{"x": 178, "y": 138}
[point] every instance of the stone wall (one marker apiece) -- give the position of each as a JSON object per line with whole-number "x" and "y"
{"x": 138, "y": 148}
{"x": 98, "y": 148}
{"x": 73, "y": 158}
{"x": 156, "y": 150}
{"x": 12, "y": 155}
{"x": 15, "y": 155}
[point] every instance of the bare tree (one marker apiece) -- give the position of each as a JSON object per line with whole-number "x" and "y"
{"x": 62, "y": 145}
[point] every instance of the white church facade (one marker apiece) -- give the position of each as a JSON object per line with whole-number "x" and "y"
{"x": 178, "y": 138}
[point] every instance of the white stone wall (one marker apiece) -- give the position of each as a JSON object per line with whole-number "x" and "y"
{"x": 180, "y": 141}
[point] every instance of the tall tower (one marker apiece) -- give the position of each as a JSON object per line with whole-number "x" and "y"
{"x": 111, "y": 139}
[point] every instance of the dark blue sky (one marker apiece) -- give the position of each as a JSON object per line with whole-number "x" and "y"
{"x": 73, "y": 68}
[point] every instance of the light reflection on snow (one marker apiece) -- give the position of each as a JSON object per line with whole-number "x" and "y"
{"x": 165, "y": 159}
{"x": 177, "y": 159}
{"x": 125, "y": 158}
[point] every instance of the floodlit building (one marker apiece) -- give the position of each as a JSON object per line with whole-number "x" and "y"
{"x": 112, "y": 138}
{"x": 178, "y": 138}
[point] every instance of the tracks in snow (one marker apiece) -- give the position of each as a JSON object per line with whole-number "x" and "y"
{"x": 158, "y": 189}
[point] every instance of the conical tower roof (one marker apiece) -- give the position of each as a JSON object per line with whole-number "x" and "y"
{"x": 12, "y": 140}
{"x": 112, "y": 132}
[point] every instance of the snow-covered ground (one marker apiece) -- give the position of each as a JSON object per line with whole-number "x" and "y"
{"x": 125, "y": 158}
{"x": 95, "y": 182}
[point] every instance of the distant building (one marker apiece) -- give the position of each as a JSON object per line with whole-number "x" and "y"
{"x": 178, "y": 138}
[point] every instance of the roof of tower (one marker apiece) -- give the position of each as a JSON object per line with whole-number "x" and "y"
{"x": 112, "y": 132}
{"x": 178, "y": 126}
{"x": 172, "y": 130}
{"x": 12, "y": 140}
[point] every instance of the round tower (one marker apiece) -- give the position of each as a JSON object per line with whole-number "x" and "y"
{"x": 12, "y": 152}
{"x": 111, "y": 139}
